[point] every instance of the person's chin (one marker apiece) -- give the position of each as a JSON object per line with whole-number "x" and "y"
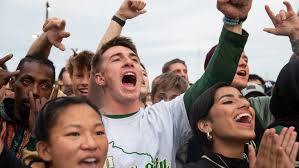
{"x": 240, "y": 84}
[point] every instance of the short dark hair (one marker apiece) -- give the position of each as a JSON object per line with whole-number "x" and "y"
{"x": 167, "y": 64}
{"x": 117, "y": 41}
{"x": 256, "y": 77}
{"x": 80, "y": 60}
{"x": 38, "y": 59}
{"x": 60, "y": 76}
{"x": 49, "y": 114}
{"x": 167, "y": 81}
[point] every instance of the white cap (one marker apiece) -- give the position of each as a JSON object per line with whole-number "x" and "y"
{"x": 253, "y": 87}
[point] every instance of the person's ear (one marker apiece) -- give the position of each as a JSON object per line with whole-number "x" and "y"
{"x": 100, "y": 79}
{"x": 60, "y": 83}
{"x": 43, "y": 151}
{"x": 204, "y": 126}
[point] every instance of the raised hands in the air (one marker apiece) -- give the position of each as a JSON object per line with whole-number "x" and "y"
{"x": 286, "y": 22}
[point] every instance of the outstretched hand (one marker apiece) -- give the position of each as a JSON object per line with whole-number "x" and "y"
{"x": 131, "y": 8}
{"x": 4, "y": 74}
{"x": 55, "y": 31}
{"x": 234, "y": 9}
{"x": 286, "y": 23}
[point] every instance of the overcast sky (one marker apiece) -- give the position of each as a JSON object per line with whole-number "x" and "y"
{"x": 186, "y": 29}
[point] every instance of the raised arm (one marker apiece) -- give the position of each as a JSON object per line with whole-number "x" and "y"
{"x": 54, "y": 33}
{"x": 129, "y": 9}
{"x": 224, "y": 62}
{"x": 286, "y": 23}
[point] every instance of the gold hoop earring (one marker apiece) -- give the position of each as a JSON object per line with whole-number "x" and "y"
{"x": 209, "y": 136}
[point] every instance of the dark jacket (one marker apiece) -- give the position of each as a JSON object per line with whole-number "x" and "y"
{"x": 213, "y": 160}
{"x": 9, "y": 160}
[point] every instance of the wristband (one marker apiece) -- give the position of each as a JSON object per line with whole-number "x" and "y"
{"x": 118, "y": 20}
{"x": 233, "y": 22}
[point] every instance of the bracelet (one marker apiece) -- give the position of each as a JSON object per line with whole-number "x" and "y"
{"x": 118, "y": 20}
{"x": 233, "y": 22}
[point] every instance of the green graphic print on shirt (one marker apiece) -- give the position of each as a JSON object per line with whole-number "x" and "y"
{"x": 155, "y": 163}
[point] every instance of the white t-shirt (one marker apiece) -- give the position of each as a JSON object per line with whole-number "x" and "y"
{"x": 149, "y": 138}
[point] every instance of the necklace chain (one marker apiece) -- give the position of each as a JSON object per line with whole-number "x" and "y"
{"x": 222, "y": 160}
{"x": 209, "y": 159}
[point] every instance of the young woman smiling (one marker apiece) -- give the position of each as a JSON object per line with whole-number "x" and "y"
{"x": 223, "y": 121}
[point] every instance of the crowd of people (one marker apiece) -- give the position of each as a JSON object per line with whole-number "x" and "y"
{"x": 101, "y": 114}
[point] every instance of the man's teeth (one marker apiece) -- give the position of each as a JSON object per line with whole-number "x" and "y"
{"x": 129, "y": 73}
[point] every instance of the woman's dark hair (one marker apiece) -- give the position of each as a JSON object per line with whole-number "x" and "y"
{"x": 49, "y": 114}
{"x": 200, "y": 110}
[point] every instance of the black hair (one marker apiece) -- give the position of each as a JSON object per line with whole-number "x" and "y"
{"x": 199, "y": 143}
{"x": 38, "y": 59}
{"x": 256, "y": 77}
{"x": 49, "y": 114}
{"x": 60, "y": 76}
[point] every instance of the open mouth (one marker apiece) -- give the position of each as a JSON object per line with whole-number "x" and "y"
{"x": 26, "y": 102}
{"x": 244, "y": 118}
{"x": 129, "y": 79}
{"x": 89, "y": 162}
{"x": 241, "y": 73}
{"x": 83, "y": 91}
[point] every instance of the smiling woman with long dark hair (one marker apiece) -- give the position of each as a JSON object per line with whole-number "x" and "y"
{"x": 223, "y": 121}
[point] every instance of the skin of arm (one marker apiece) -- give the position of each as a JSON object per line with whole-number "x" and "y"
{"x": 54, "y": 33}
{"x": 129, "y": 9}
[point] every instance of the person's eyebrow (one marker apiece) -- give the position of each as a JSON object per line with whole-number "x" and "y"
{"x": 79, "y": 126}
{"x": 99, "y": 124}
{"x": 132, "y": 54}
{"x": 72, "y": 125}
{"x": 224, "y": 96}
{"x": 27, "y": 76}
{"x": 116, "y": 54}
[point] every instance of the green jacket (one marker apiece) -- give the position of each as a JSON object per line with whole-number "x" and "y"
{"x": 222, "y": 67}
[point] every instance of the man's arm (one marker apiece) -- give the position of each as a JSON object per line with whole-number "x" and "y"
{"x": 224, "y": 62}
{"x": 54, "y": 33}
{"x": 129, "y": 9}
{"x": 286, "y": 23}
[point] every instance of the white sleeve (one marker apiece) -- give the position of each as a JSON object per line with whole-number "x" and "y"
{"x": 173, "y": 117}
